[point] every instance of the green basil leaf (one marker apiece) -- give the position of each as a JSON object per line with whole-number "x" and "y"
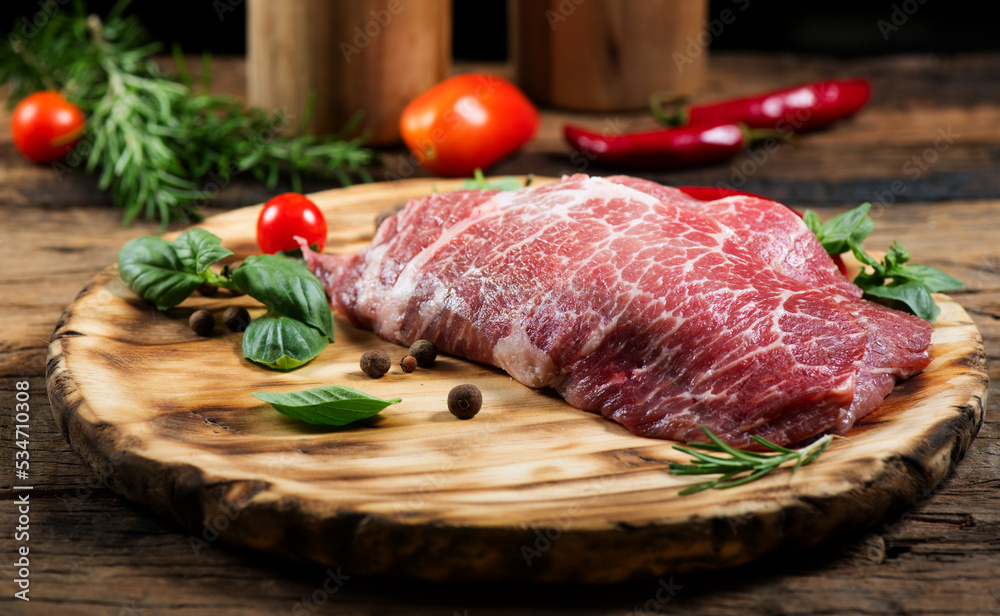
{"x": 896, "y": 257}
{"x": 151, "y": 268}
{"x": 286, "y": 287}
{"x": 843, "y": 230}
{"x": 198, "y": 249}
{"x": 479, "y": 181}
{"x": 333, "y": 405}
{"x": 914, "y": 295}
{"x": 934, "y": 279}
{"x": 813, "y": 221}
{"x": 281, "y": 342}
{"x": 866, "y": 259}
{"x": 866, "y": 280}
{"x": 910, "y": 285}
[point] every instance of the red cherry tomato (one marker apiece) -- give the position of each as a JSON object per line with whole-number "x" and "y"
{"x": 286, "y": 217}
{"x": 467, "y": 122}
{"x": 46, "y": 126}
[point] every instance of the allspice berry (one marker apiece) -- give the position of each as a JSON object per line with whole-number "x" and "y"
{"x": 202, "y": 322}
{"x": 425, "y": 352}
{"x": 464, "y": 401}
{"x": 408, "y": 364}
{"x": 375, "y": 363}
{"x": 236, "y": 318}
{"x": 207, "y": 289}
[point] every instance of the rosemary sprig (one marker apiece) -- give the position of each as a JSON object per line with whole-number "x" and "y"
{"x": 160, "y": 147}
{"x": 737, "y": 466}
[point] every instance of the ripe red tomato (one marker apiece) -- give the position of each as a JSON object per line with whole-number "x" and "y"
{"x": 467, "y": 121}
{"x": 286, "y": 216}
{"x": 46, "y": 126}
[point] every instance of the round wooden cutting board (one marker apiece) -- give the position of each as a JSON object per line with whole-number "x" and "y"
{"x": 529, "y": 489}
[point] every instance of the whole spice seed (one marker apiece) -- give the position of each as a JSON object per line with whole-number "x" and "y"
{"x": 408, "y": 364}
{"x": 464, "y": 401}
{"x": 425, "y": 352}
{"x": 202, "y": 322}
{"x": 236, "y": 318}
{"x": 375, "y": 363}
{"x": 208, "y": 289}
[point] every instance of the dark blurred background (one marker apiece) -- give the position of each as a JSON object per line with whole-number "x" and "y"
{"x": 846, "y": 28}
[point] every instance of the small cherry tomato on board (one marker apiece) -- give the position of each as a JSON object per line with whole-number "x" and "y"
{"x": 46, "y": 126}
{"x": 286, "y": 217}
{"x": 467, "y": 121}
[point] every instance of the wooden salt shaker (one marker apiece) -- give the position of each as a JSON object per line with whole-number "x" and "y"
{"x": 607, "y": 55}
{"x": 362, "y": 55}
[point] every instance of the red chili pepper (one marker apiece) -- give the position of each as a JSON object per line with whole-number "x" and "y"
{"x": 668, "y": 148}
{"x": 797, "y": 109}
{"x": 711, "y": 193}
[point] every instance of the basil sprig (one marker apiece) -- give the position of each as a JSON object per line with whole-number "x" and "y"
{"x": 298, "y": 324}
{"x": 507, "y": 182}
{"x": 151, "y": 268}
{"x": 892, "y": 278}
{"x": 281, "y": 342}
{"x": 286, "y": 287}
{"x": 328, "y": 406}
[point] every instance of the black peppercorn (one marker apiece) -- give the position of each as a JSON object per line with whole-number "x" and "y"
{"x": 375, "y": 363}
{"x": 424, "y": 352}
{"x": 208, "y": 289}
{"x": 201, "y": 322}
{"x": 464, "y": 401}
{"x": 408, "y": 364}
{"x": 236, "y": 318}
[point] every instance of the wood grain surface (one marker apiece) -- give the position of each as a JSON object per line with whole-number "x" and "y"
{"x": 529, "y": 489}
{"x": 96, "y": 553}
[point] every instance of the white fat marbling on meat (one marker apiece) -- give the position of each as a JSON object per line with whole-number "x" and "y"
{"x": 524, "y": 361}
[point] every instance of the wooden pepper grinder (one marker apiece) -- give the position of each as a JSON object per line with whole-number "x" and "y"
{"x": 361, "y": 55}
{"x": 608, "y": 55}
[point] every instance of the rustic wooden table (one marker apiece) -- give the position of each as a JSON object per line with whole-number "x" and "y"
{"x": 924, "y": 152}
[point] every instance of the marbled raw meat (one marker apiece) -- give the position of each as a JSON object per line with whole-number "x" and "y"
{"x": 898, "y": 343}
{"x": 654, "y": 315}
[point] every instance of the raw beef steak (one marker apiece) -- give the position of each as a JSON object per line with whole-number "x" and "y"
{"x": 650, "y": 313}
{"x": 898, "y": 343}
